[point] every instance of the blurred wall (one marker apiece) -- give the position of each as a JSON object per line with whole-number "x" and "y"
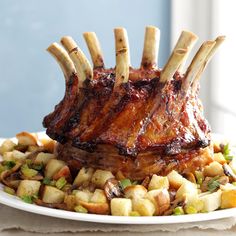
{"x": 30, "y": 80}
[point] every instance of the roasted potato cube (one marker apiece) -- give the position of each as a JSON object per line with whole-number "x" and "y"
{"x": 84, "y": 176}
{"x": 84, "y": 196}
{"x": 213, "y": 169}
{"x": 26, "y": 139}
{"x": 186, "y": 188}
{"x": 135, "y": 191}
{"x": 53, "y": 195}
{"x": 49, "y": 144}
{"x": 17, "y": 155}
{"x": 28, "y": 188}
{"x": 212, "y": 201}
{"x": 160, "y": 198}
{"x": 144, "y": 207}
{"x": 194, "y": 201}
{"x": 53, "y": 167}
{"x": 7, "y": 156}
{"x": 219, "y": 157}
{"x": 158, "y": 182}
{"x": 100, "y": 177}
{"x": 44, "y": 158}
{"x": 70, "y": 201}
{"x": 7, "y": 146}
{"x": 228, "y": 199}
{"x": 175, "y": 179}
{"x": 98, "y": 196}
{"x": 121, "y": 206}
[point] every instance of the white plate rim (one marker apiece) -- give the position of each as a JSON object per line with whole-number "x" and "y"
{"x": 14, "y": 202}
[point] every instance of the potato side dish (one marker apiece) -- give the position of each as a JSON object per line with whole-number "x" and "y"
{"x": 30, "y": 169}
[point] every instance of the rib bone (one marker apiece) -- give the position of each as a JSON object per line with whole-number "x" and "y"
{"x": 82, "y": 65}
{"x": 94, "y": 49}
{"x": 151, "y": 48}
{"x": 63, "y": 59}
{"x": 122, "y": 56}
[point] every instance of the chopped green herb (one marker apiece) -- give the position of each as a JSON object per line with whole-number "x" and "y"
{"x": 199, "y": 176}
{"x": 190, "y": 210}
{"x": 46, "y": 181}
{"x": 27, "y": 172}
{"x": 227, "y": 152}
{"x": 80, "y": 209}
{"x": 213, "y": 184}
{"x": 61, "y": 183}
{"x": 178, "y": 211}
{"x": 37, "y": 166}
{"x": 125, "y": 183}
{"x": 9, "y": 164}
{"x": 27, "y": 199}
{"x": 9, "y": 190}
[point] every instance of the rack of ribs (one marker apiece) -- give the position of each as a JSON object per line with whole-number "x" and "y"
{"x": 138, "y": 121}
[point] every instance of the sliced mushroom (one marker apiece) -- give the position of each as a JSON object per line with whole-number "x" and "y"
{"x": 96, "y": 208}
{"x": 113, "y": 189}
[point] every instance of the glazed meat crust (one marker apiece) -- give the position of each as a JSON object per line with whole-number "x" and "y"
{"x": 143, "y": 115}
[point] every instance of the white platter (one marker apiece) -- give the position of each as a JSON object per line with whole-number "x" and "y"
{"x": 13, "y": 201}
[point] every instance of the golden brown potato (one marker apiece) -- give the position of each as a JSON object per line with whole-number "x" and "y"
{"x": 219, "y": 157}
{"x": 121, "y": 207}
{"x": 186, "y": 188}
{"x": 212, "y": 201}
{"x": 175, "y": 179}
{"x": 53, "y": 195}
{"x": 135, "y": 191}
{"x": 44, "y": 158}
{"x": 228, "y": 199}
{"x": 158, "y": 182}
{"x": 144, "y": 207}
{"x": 70, "y": 201}
{"x": 160, "y": 198}
{"x": 100, "y": 177}
{"x": 213, "y": 169}
{"x": 7, "y": 146}
{"x": 53, "y": 167}
{"x": 98, "y": 196}
{"x": 84, "y": 176}
{"x": 83, "y": 196}
{"x": 28, "y": 188}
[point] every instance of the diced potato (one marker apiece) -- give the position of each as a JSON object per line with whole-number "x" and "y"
{"x": 158, "y": 182}
{"x": 100, "y": 177}
{"x": 44, "y": 158}
{"x": 49, "y": 145}
{"x": 135, "y": 191}
{"x": 216, "y": 147}
{"x": 99, "y": 196}
{"x": 7, "y": 156}
{"x": 228, "y": 199}
{"x": 27, "y": 139}
{"x": 121, "y": 206}
{"x": 219, "y": 157}
{"x": 160, "y": 198}
{"x": 28, "y": 188}
{"x": 7, "y": 146}
{"x": 186, "y": 188}
{"x": 84, "y": 176}
{"x": 232, "y": 165}
{"x": 194, "y": 201}
{"x": 53, "y": 167}
{"x": 175, "y": 179}
{"x": 211, "y": 202}
{"x": 17, "y": 155}
{"x": 214, "y": 169}
{"x": 96, "y": 208}
{"x": 70, "y": 201}
{"x": 84, "y": 196}
{"x": 144, "y": 207}
{"x": 53, "y": 195}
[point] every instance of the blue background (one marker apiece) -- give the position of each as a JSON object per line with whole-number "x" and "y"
{"x": 31, "y": 83}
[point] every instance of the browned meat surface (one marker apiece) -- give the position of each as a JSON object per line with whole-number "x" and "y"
{"x": 139, "y": 121}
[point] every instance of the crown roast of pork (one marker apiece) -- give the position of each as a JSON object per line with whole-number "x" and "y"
{"x": 138, "y": 121}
